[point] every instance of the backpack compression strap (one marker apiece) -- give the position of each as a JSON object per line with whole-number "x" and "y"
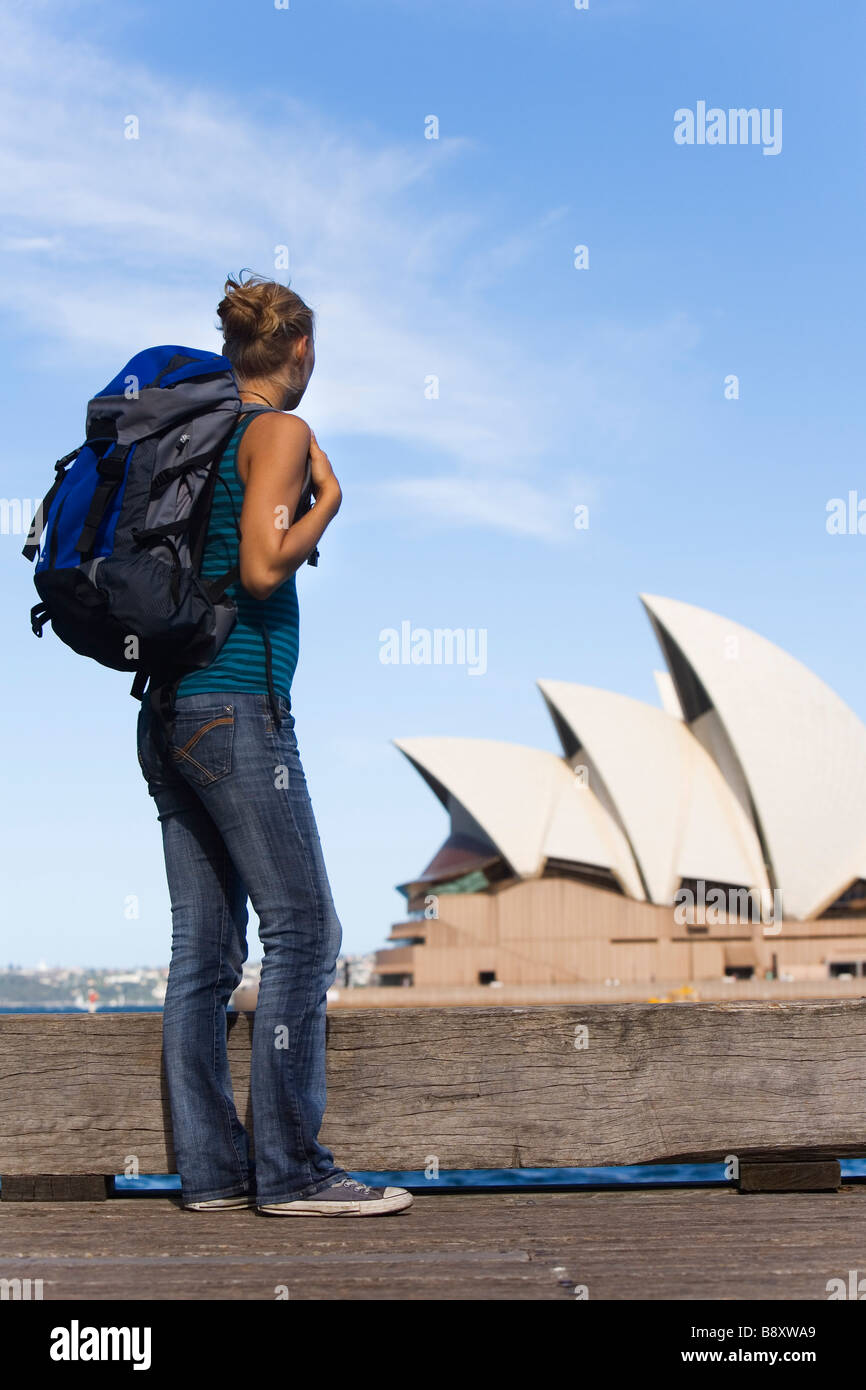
{"x": 111, "y": 469}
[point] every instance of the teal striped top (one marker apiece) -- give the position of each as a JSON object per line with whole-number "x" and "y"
{"x": 240, "y": 663}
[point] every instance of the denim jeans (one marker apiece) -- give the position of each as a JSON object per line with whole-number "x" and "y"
{"x": 237, "y": 821}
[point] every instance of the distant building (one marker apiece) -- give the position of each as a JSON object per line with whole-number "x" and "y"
{"x": 723, "y": 833}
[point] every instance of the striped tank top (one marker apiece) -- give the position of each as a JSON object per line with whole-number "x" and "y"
{"x": 241, "y": 663}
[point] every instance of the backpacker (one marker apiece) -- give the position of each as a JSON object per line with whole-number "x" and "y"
{"x": 125, "y": 525}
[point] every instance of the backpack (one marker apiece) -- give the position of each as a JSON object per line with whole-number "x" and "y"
{"x": 118, "y": 571}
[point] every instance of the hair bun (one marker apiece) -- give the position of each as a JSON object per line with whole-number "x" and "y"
{"x": 248, "y": 312}
{"x": 260, "y": 318}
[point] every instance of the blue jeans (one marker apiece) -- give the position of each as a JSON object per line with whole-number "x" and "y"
{"x": 237, "y": 821}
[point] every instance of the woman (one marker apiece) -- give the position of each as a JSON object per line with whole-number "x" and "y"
{"x": 236, "y": 815}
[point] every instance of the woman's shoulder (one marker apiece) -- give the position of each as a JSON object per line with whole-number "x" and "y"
{"x": 276, "y": 427}
{"x": 274, "y": 433}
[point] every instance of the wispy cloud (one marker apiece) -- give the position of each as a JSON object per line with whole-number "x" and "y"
{"x": 120, "y": 242}
{"x": 511, "y": 504}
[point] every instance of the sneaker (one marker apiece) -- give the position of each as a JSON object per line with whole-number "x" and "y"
{"x": 220, "y": 1203}
{"x": 344, "y": 1197}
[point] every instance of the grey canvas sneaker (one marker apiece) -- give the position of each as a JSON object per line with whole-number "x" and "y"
{"x": 344, "y": 1197}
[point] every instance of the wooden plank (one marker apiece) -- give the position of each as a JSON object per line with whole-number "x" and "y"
{"x": 620, "y": 1245}
{"x": 471, "y": 1088}
{"x": 824, "y": 1176}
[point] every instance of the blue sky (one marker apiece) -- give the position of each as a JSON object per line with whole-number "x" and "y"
{"x": 453, "y": 257}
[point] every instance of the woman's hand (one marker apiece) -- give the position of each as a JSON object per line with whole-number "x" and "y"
{"x": 326, "y": 489}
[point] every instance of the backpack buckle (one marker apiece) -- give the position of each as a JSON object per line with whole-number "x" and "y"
{"x": 112, "y": 465}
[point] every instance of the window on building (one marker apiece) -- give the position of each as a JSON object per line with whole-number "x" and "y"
{"x": 851, "y": 903}
{"x": 582, "y": 873}
{"x": 846, "y": 969}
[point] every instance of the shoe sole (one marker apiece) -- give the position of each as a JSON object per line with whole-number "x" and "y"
{"x": 225, "y": 1204}
{"x": 383, "y": 1207}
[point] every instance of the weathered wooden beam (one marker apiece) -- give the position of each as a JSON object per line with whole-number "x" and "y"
{"x": 556, "y": 1086}
{"x": 822, "y": 1176}
{"x": 56, "y": 1187}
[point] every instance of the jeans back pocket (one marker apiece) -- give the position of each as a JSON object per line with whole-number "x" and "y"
{"x": 201, "y": 744}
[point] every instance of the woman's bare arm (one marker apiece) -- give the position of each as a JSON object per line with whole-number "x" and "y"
{"x": 272, "y": 467}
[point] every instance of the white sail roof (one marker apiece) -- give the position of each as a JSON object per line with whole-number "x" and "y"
{"x": 528, "y": 803}
{"x": 667, "y": 693}
{"x": 787, "y": 744}
{"x": 680, "y": 816}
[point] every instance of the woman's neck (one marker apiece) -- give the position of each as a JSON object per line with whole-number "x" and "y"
{"x": 272, "y": 393}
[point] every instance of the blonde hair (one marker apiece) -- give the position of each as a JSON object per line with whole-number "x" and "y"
{"x": 261, "y": 319}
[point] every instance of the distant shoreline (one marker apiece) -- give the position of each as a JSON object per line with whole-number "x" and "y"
{"x": 30, "y": 1008}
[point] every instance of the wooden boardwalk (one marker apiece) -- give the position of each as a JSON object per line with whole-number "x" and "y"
{"x": 774, "y": 1089}
{"x": 671, "y": 1244}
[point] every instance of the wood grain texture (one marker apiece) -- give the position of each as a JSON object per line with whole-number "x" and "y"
{"x": 622, "y": 1244}
{"x": 471, "y": 1088}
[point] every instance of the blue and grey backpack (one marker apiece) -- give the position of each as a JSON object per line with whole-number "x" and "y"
{"x": 125, "y": 525}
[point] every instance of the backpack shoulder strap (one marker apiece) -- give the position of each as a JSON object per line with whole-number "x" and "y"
{"x": 216, "y": 588}
{"x": 37, "y": 525}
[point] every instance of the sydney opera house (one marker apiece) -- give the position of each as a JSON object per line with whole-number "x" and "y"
{"x": 721, "y": 834}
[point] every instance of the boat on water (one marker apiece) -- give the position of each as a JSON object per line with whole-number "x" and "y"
{"x": 90, "y": 1004}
